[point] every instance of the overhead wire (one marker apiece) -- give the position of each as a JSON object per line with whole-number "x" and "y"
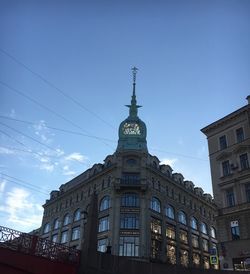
{"x": 49, "y": 83}
{"x": 48, "y": 109}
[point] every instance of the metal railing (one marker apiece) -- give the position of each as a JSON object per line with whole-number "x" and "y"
{"x": 34, "y": 245}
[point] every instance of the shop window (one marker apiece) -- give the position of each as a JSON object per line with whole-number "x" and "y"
{"x": 171, "y": 254}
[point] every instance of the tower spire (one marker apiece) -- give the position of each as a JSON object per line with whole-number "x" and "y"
{"x": 133, "y": 107}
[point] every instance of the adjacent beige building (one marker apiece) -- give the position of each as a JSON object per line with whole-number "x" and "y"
{"x": 144, "y": 209}
{"x": 229, "y": 153}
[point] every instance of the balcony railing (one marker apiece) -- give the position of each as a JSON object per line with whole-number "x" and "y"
{"x": 34, "y": 245}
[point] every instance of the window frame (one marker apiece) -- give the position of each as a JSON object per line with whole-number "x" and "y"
{"x": 182, "y": 217}
{"x": 104, "y": 203}
{"x": 155, "y": 204}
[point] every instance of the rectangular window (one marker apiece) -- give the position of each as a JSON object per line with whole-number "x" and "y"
{"x": 64, "y": 237}
{"x": 244, "y": 164}
{"x": 195, "y": 241}
{"x": 223, "y": 142}
{"x": 129, "y": 246}
{"x": 235, "y": 230}
{"x": 129, "y": 221}
{"x": 240, "y": 135}
{"x": 102, "y": 244}
{"x": 103, "y": 224}
{"x": 184, "y": 258}
{"x": 205, "y": 245}
{"x": 183, "y": 236}
{"x": 130, "y": 178}
{"x": 75, "y": 233}
{"x": 170, "y": 232}
{"x": 230, "y": 197}
{"x": 171, "y": 253}
{"x": 247, "y": 187}
{"x": 226, "y": 168}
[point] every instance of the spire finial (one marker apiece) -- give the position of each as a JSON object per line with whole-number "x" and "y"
{"x": 134, "y": 71}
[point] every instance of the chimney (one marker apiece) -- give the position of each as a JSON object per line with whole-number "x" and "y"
{"x": 248, "y": 99}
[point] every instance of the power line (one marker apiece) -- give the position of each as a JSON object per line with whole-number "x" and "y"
{"x": 56, "y": 88}
{"x": 24, "y": 183}
{"x": 48, "y": 109}
{"x": 58, "y": 129}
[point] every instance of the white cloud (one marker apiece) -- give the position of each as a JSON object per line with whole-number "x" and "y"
{"x": 43, "y": 132}
{"x": 4, "y": 150}
{"x": 47, "y": 167}
{"x": 167, "y": 161}
{"x": 76, "y": 156}
{"x": 2, "y": 186}
{"x": 20, "y": 208}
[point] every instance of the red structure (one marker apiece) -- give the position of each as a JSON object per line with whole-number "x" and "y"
{"x": 24, "y": 253}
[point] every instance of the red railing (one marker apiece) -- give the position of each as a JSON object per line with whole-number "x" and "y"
{"x": 34, "y": 245}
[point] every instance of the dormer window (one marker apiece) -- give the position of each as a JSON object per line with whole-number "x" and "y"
{"x": 223, "y": 142}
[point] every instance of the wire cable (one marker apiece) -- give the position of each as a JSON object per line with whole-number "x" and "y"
{"x": 49, "y": 83}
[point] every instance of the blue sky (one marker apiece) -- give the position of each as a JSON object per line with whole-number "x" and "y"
{"x": 74, "y": 59}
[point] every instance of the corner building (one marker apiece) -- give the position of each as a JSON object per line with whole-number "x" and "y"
{"x": 229, "y": 153}
{"x": 144, "y": 209}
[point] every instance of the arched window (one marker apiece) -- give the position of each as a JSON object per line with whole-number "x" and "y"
{"x": 77, "y": 215}
{"x": 56, "y": 223}
{"x": 193, "y": 223}
{"x": 203, "y": 228}
{"x": 170, "y": 212}
{"x": 155, "y": 204}
{"x": 104, "y": 203}
{"x": 182, "y": 217}
{"x": 130, "y": 200}
{"x": 46, "y": 228}
{"x": 66, "y": 219}
{"x": 213, "y": 232}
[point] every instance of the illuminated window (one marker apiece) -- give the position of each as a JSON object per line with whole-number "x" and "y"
{"x": 155, "y": 204}
{"x": 195, "y": 241}
{"x": 171, "y": 254}
{"x": 105, "y": 203}
{"x": 170, "y": 232}
{"x": 196, "y": 260}
{"x": 205, "y": 245}
{"x": 183, "y": 236}
{"x": 206, "y": 262}
{"x": 156, "y": 226}
{"x": 184, "y": 258}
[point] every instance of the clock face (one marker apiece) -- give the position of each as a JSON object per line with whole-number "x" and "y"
{"x": 131, "y": 129}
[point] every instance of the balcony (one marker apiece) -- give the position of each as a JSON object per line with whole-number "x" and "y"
{"x": 130, "y": 184}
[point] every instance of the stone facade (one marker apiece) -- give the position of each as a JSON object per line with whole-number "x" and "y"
{"x": 229, "y": 152}
{"x": 144, "y": 209}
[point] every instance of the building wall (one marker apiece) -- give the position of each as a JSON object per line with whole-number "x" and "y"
{"x": 156, "y": 181}
{"x": 231, "y": 179}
